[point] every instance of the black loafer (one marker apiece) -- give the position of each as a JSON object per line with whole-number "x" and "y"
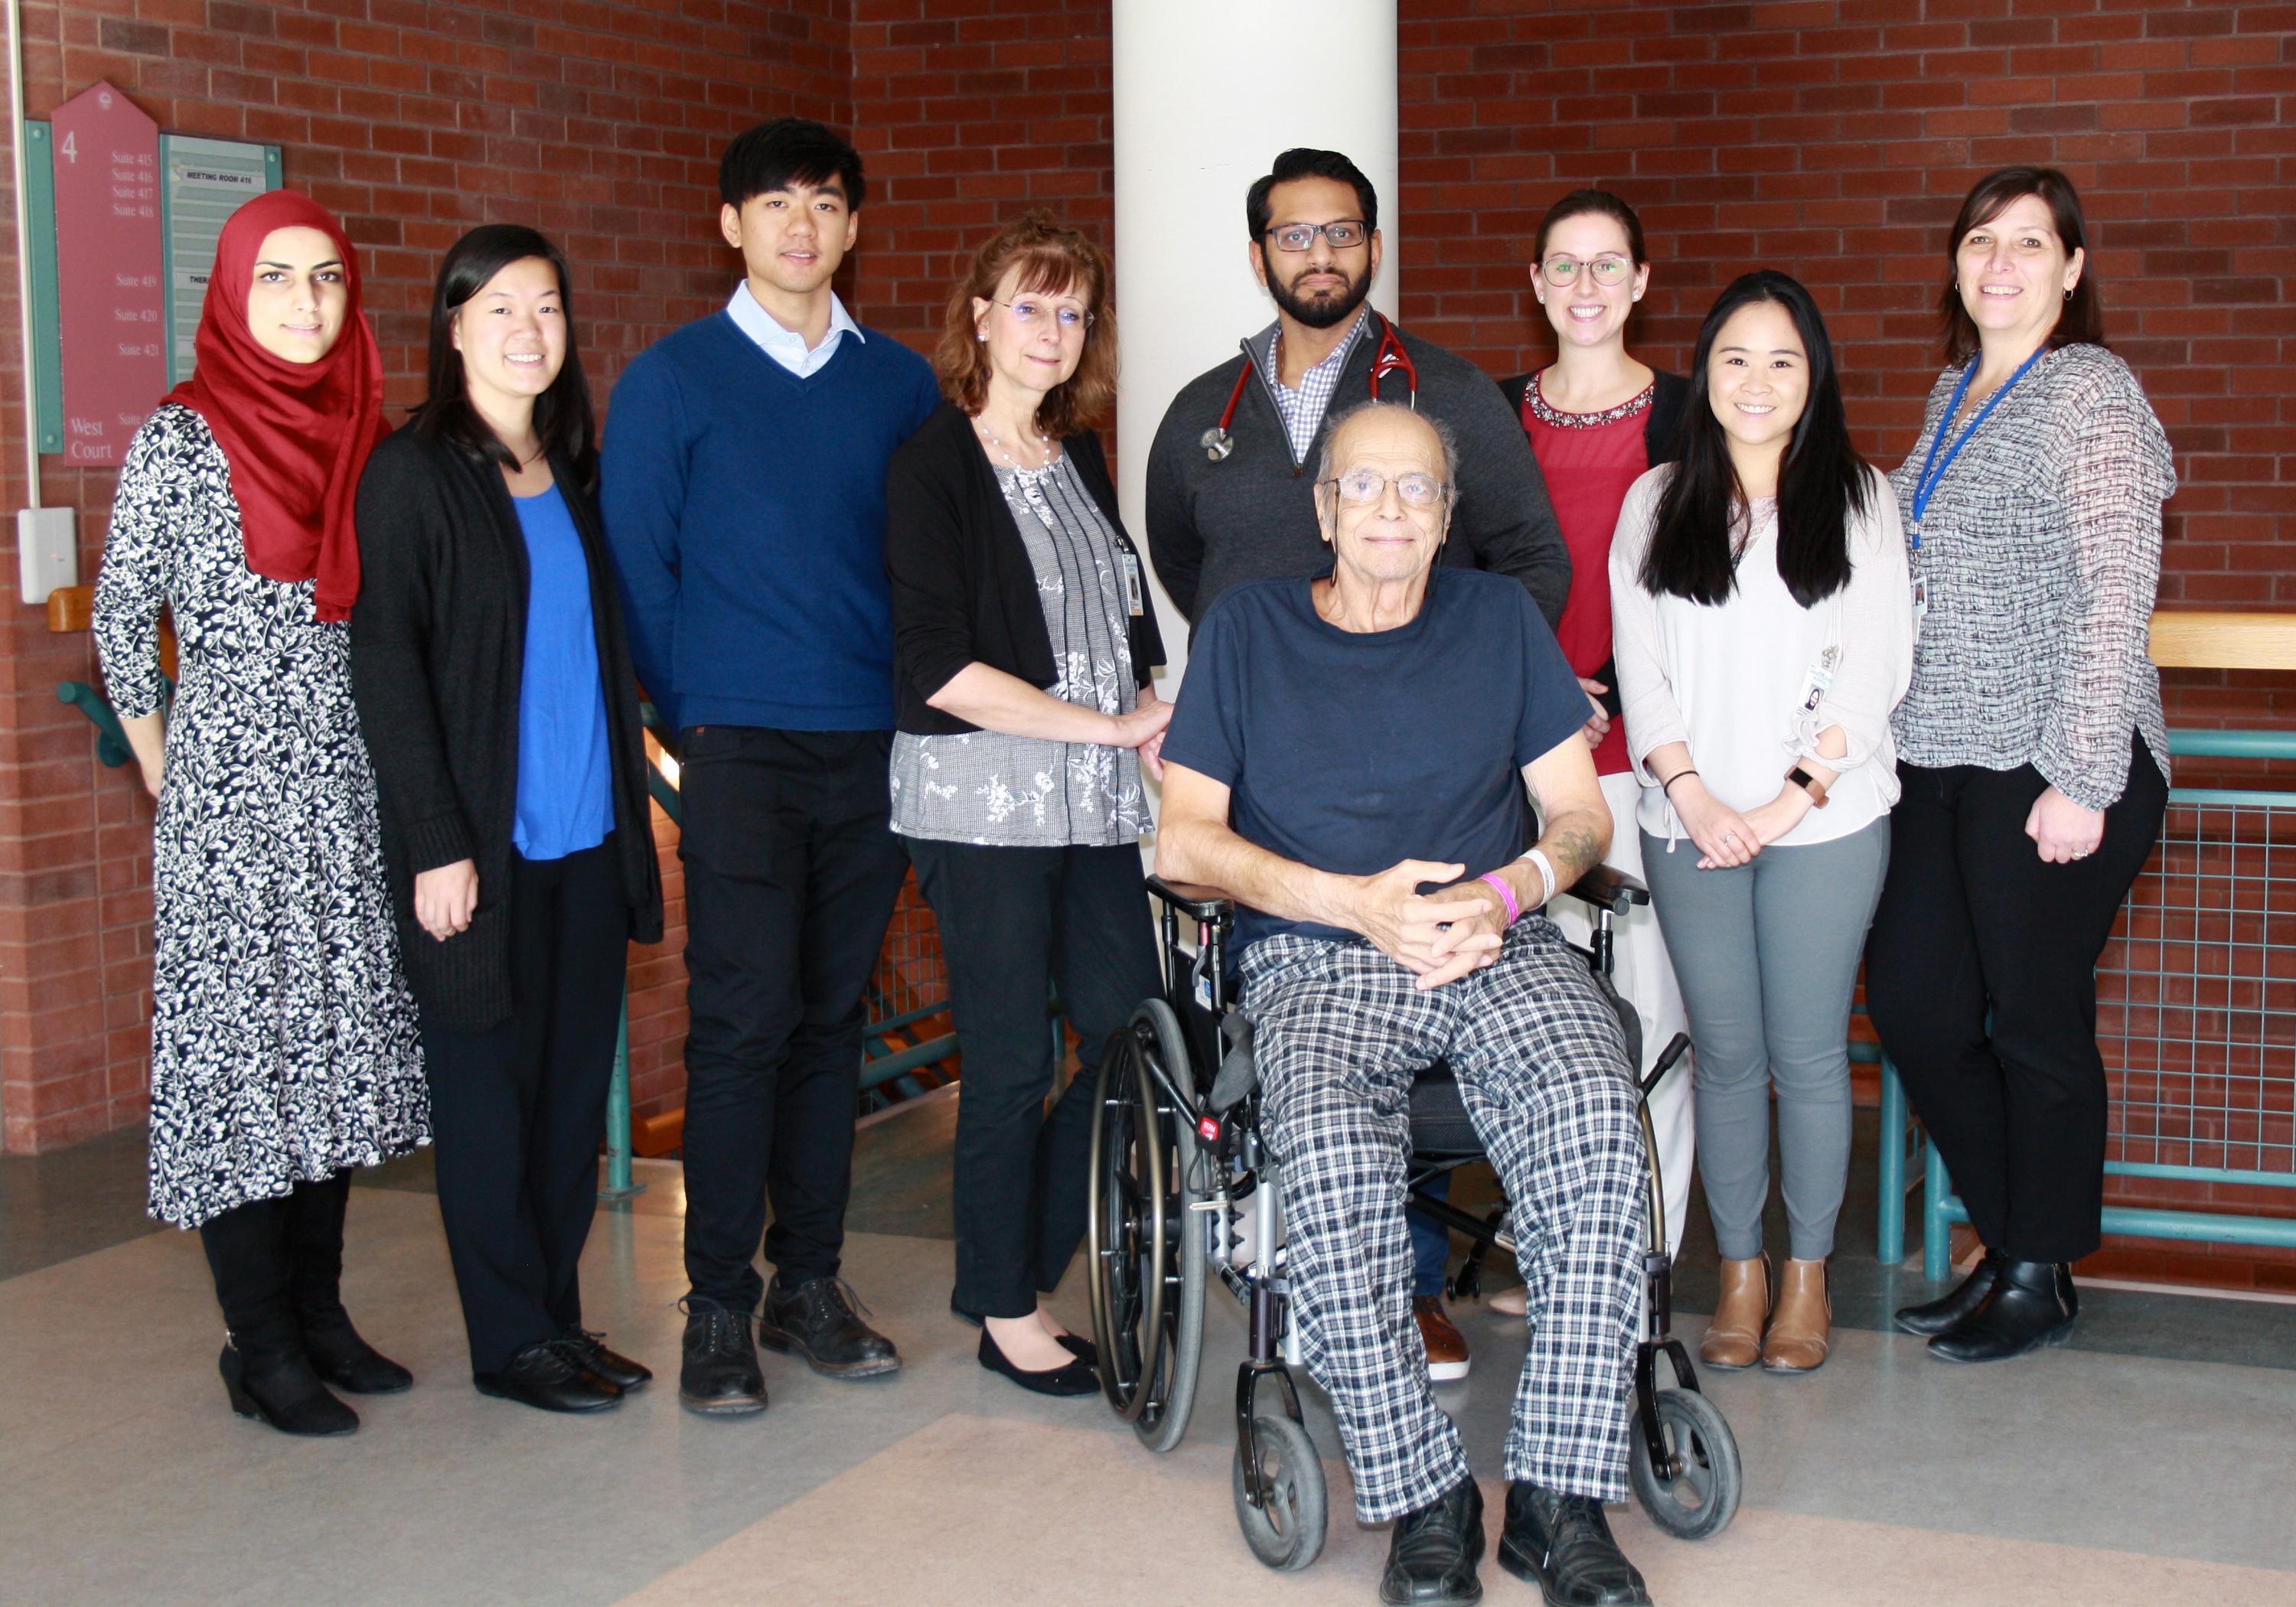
{"x": 2024, "y": 1311}
{"x": 544, "y": 1377}
{"x": 589, "y": 1349}
{"x": 1078, "y": 1378}
{"x": 1563, "y": 1545}
{"x": 816, "y": 1320}
{"x": 1433, "y": 1555}
{"x": 340, "y": 1357}
{"x": 720, "y": 1377}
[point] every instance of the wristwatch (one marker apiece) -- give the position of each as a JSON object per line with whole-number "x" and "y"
{"x": 1808, "y": 784}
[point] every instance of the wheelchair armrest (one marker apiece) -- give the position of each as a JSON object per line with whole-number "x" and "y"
{"x": 1192, "y": 899}
{"x": 1606, "y": 889}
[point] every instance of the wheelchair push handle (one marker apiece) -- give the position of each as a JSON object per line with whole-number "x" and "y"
{"x": 1677, "y": 1047}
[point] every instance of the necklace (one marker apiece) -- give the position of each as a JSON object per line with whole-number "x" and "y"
{"x": 1044, "y": 447}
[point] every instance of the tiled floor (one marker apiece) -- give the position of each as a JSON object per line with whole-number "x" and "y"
{"x": 2147, "y": 1465}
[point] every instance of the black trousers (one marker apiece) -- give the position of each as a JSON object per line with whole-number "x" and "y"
{"x": 1014, "y": 924}
{"x": 517, "y": 1111}
{"x": 279, "y": 1262}
{"x": 1980, "y": 979}
{"x": 791, "y": 869}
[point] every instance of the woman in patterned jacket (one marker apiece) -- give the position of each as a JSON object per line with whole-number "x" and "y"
{"x": 284, "y": 1043}
{"x": 2031, "y": 750}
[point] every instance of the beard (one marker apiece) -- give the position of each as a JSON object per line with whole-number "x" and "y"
{"x": 1321, "y": 311}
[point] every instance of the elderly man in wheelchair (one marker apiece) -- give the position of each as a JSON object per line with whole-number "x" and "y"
{"x": 1348, "y": 762}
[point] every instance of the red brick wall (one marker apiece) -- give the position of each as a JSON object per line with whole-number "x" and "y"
{"x": 602, "y": 124}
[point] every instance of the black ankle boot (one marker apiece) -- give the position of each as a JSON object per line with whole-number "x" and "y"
{"x": 1935, "y": 1316}
{"x": 277, "y": 1385}
{"x": 1431, "y": 1558}
{"x": 264, "y": 1367}
{"x": 344, "y": 1359}
{"x": 2024, "y": 1312}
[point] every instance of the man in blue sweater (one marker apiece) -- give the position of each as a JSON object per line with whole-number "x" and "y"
{"x": 743, "y": 481}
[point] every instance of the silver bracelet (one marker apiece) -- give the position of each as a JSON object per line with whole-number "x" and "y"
{"x": 1537, "y": 857}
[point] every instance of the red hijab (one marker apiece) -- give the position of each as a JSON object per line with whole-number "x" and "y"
{"x": 295, "y": 435}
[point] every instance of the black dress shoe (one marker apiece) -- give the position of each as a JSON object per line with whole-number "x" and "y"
{"x": 1431, "y": 1556}
{"x": 544, "y": 1377}
{"x": 1935, "y": 1316}
{"x": 2024, "y": 1311}
{"x": 816, "y": 1320}
{"x": 1078, "y": 1378}
{"x": 1563, "y": 1545}
{"x": 719, "y": 1377}
{"x": 345, "y": 1360}
{"x": 587, "y": 1350}
{"x": 282, "y": 1390}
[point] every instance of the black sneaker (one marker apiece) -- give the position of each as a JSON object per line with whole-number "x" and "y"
{"x": 1563, "y": 1544}
{"x": 1431, "y": 1561}
{"x": 544, "y": 1377}
{"x": 816, "y": 1320}
{"x": 589, "y": 1349}
{"x": 720, "y": 1376}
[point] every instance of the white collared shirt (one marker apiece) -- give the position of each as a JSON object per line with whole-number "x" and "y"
{"x": 786, "y": 346}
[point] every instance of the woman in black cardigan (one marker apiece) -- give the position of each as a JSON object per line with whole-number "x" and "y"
{"x": 495, "y": 692}
{"x": 1023, "y": 640}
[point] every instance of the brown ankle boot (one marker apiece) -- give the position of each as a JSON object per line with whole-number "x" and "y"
{"x": 1797, "y": 1330}
{"x": 1734, "y": 1339}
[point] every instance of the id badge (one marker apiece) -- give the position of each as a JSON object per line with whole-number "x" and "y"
{"x": 1920, "y": 604}
{"x": 1820, "y": 679}
{"x": 1136, "y": 602}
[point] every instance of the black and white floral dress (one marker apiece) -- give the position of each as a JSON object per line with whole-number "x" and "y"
{"x": 283, "y": 1038}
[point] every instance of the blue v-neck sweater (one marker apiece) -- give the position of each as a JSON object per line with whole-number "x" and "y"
{"x": 745, "y": 508}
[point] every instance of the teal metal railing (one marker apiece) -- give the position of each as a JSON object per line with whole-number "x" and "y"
{"x": 2197, "y": 1017}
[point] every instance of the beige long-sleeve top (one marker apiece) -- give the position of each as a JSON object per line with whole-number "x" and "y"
{"x": 1750, "y": 682}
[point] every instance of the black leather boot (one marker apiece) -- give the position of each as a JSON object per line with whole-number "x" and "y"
{"x": 264, "y": 1368}
{"x": 1935, "y": 1316}
{"x": 1563, "y": 1544}
{"x": 313, "y": 1220}
{"x": 274, "y": 1383}
{"x": 2024, "y": 1311}
{"x": 1431, "y": 1558}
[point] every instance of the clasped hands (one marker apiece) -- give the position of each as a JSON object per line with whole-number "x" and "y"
{"x": 1439, "y": 937}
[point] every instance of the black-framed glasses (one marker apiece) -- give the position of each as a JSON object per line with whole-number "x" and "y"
{"x": 1028, "y": 315}
{"x": 1362, "y": 488}
{"x": 1344, "y": 234}
{"x": 1563, "y": 271}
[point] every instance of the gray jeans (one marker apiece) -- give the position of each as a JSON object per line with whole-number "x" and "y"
{"x": 1766, "y": 955}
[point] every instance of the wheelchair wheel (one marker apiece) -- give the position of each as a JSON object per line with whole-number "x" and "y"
{"x": 1148, "y": 1249}
{"x": 1696, "y": 1496}
{"x": 1286, "y": 1531}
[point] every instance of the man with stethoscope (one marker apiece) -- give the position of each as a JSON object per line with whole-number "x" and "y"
{"x": 1231, "y": 500}
{"x": 1229, "y": 497}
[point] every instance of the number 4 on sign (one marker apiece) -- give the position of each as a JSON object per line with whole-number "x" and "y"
{"x": 71, "y": 146}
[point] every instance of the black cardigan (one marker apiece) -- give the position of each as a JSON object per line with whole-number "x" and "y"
{"x": 438, "y": 656}
{"x": 964, "y": 589}
{"x": 1662, "y": 425}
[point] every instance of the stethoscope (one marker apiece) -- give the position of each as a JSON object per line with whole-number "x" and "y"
{"x": 1389, "y": 356}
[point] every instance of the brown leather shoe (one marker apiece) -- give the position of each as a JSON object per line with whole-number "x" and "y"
{"x": 1446, "y": 1347}
{"x": 1798, "y": 1342}
{"x": 1734, "y": 1339}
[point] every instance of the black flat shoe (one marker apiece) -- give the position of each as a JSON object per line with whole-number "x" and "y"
{"x": 1935, "y": 1316}
{"x": 720, "y": 1376}
{"x": 816, "y": 1320}
{"x": 2024, "y": 1312}
{"x": 587, "y": 1350}
{"x": 1075, "y": 1344}
{"x": 1431, "y": 1556}
{"x": 1563, "y": 1545}
{"x": 1077, "y": 1378}
{"x": 544, "y": 1377}
{"x": 284, "y": 1392}
{"x": 342, "y": 1358}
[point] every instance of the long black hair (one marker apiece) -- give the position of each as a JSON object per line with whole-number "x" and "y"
{"x": 562, "y": 416}
{"x": 1821, "y": 482}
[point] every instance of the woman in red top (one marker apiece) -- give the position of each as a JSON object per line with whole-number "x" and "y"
{"x": 1598, "y": 419}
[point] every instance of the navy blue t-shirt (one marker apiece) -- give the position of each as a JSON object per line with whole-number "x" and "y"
{"x": 1350, "y": 752}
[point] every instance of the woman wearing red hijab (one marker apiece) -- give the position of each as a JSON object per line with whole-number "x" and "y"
{"x": 283, "y": 1041}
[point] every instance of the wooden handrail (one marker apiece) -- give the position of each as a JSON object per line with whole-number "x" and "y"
{"x": 2208, "y": 639}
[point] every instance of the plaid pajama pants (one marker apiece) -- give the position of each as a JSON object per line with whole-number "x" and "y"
{"x": 1338, "y": 1034}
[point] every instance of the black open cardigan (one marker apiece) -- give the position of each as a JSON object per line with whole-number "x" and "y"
{"x": 964, "y": 589}
{"x": 1662, "y": 425}
{"x": 438, "y": 658}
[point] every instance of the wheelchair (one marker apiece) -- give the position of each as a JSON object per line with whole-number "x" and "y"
{"x": 1185, "y": 1197}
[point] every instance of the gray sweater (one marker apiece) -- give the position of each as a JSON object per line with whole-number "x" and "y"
{"x": 1252, "y": 517}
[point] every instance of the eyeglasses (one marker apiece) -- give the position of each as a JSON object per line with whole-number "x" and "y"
{"x": 1345, "y": 234}
{"x": 1563, "y": 271}
{"x": 1030, "y": 315}
{"x": 1362, "y": 488}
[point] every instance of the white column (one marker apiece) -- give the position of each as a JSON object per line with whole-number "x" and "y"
{"x": 1207, "y": 91}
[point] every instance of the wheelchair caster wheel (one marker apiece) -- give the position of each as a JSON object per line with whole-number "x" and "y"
{"x": 1286, "y": 1530}
{"x": 1696, "y": 1495}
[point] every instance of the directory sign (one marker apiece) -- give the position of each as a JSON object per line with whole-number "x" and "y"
{"x": 207, "y": 181}
{"x": 111, "y": 301}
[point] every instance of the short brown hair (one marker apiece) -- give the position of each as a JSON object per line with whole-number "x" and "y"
{"x": 2080, "y": 321}
{"x": 1054, "y": 259}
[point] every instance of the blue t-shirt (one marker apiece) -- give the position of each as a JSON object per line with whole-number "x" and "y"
{"x": 565, "y": 768}
{"x": 1351, "y": 752}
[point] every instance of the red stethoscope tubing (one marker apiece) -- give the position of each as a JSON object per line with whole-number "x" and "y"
{"x": 1390, "y": 356}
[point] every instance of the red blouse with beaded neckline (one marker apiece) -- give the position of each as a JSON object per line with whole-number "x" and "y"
{"x": 1589, "y": 459}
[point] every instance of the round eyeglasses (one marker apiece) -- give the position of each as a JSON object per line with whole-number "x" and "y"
{"x": 1563, "y": 271}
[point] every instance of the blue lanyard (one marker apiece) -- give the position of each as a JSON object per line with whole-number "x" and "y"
{"x": 1933, "y": 471}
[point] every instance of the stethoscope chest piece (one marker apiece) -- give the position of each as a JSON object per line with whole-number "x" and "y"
{"x": 1216, "y": 443}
